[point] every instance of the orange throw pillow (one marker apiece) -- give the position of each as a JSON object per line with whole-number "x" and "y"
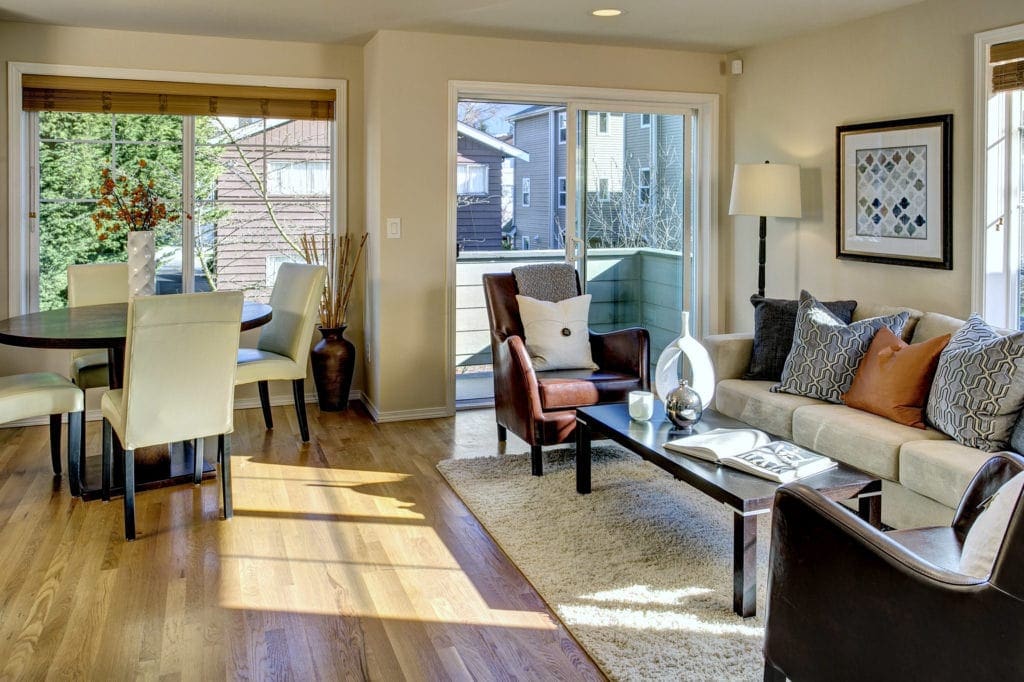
{"x": 894, "y": 377}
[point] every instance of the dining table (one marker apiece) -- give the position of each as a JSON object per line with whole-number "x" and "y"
{"x": 105, "y": 327}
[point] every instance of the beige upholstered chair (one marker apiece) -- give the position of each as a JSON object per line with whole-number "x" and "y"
{"x": 282, "y": 352}
{"x": 45, "y": 393}
{"x": 179, "y": 383}
{"x": 95, "y": 284}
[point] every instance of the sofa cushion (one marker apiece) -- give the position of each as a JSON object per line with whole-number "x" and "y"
{"x": 978, "y": 390}
{"x": 933, "y": 324}
{"x": 774, "y": 321}
{"x": 826, "y": 351}
{"x": 894, "y": 377}
{"x": 860, "y": 439}
{"x": 566, "y": 389}
{"x": 939, "y": 469}
{"x": 865, "y": 311}
{"x": 753, "y": 403}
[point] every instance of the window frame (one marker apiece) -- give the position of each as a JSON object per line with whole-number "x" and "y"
{"x": 641, "y": 186}
{"x": 562, "y": 127}
{"x": 22, "y": 170}
{"x": 604, "y": 189}
{"x": 486, "y": 177}
{"x": 525, "y": 192}
{"x": 562, "y": 187}
{"x": 645, "y": 117}
{"x": 603, "y": 121}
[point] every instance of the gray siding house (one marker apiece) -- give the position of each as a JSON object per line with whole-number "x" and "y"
{"x": 479, "y": 191}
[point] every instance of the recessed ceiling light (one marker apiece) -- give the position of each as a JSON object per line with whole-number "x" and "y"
{"x": 610, "y": 12}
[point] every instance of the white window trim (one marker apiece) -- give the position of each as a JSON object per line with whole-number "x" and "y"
{"x": 525, "y": 192}
{"x": 640, "y": 186}
{"x": 562, "y": 191}
{"x": 563, "y": 129}
{"x": 982, "y": 94}
{"x": 18, "y": 127}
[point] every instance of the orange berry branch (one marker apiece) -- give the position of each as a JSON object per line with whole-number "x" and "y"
{"x": 127, "y": 204}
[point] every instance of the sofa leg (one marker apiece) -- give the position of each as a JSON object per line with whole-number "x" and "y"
{"x": 537, "y": 460}
{"x": 502, "y": 434}
{"x": 773, "y": 674}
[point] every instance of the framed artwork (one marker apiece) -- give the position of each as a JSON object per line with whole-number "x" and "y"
{"x": 894, "y": 192}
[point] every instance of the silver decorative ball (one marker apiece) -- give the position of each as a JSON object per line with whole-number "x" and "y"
{"x": 683, "y": 407}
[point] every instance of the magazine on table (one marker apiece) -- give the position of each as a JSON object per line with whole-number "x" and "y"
{"x": 753, "y": 451}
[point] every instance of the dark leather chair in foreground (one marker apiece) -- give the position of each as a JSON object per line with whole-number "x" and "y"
{"x": 540, "y": 407}
{"x": 849, "y": 602}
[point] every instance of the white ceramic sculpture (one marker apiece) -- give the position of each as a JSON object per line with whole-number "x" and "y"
{"x": 666, "y": 376}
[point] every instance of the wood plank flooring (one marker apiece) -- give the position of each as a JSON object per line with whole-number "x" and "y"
{"x": 349, "y": 558}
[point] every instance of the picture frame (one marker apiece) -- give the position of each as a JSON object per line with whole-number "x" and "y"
{"x": 894, "y": 192}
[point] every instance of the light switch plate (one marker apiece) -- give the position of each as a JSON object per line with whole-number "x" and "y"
{"x": 394, "y": 228}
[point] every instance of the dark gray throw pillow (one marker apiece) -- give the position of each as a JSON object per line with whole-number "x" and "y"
{"x": 774, "y": 321}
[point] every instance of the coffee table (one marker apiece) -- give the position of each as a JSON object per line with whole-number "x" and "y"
{"x": 747, "y": 495}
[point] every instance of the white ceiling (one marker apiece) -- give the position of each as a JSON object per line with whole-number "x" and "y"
{"x": 714, "y": 25}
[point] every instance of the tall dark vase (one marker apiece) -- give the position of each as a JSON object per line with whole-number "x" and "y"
{"x": 333, "y": 359}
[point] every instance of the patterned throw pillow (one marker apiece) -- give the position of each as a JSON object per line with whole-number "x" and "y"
{"x": 774, "y": 321}
{"x": 826, "y": 352}
{"x": 978, "y": 390}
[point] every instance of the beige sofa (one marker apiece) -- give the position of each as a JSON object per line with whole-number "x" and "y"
{"x": 924, "y": 473}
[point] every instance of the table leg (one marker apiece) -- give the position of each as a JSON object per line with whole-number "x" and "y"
{"x": 582, "y": 457}
{"x": 744, "y": 564}
{"x": 869, "y": 508}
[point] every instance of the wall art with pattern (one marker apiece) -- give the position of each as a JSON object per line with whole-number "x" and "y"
{"x": 894, "y": 192}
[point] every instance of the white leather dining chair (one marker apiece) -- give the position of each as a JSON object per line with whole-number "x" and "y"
{"x": 94, "y": 284}
{"x": 179, "y": 384}
{"x": 45, "y": 393}
{"x": 282, "y": 351}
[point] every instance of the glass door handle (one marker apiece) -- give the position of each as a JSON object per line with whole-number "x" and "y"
{"x": 577, "y": 249}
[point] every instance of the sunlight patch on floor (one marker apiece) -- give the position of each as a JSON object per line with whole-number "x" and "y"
{"x": 636, "y": 619}
{"x": 642, "y": 594}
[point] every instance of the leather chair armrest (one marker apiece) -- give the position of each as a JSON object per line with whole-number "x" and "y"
{"x": 627, "y": 351}
{"x": 730, "y": 354}
{"x": 517, "y": 402}
{"x": 999, "y": 469}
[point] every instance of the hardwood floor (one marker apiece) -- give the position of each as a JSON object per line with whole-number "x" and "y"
{"x": 348, "y": 558}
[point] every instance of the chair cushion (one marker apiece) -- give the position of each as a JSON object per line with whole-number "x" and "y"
{"x": 860, "y": 439}
{"x": 38, "y": 394}
{"x": 564, "y": 389}
{"x": 939, "y": 469}
{"x": 262, "y": 365}
{"x": 753, "y": 403}
{"x": 90, "y": 370}
{"x": 978, "y": 390}
{"x": 556, "y": 334}
{"x": 984, "y": 539}
{"x": 826, "y": 352}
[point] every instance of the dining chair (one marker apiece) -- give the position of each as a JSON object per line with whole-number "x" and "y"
{"x": 282, "y": 352}
{"x": 179, "y": 384}
{"x": 45, "y": 393}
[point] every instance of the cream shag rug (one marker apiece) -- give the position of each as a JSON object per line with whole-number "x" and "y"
{"x": 640, "y": 570}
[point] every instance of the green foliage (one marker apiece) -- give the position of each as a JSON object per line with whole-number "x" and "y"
{"x": 74, "y": 149}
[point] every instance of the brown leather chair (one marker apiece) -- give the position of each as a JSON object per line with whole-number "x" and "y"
{"x": 540, "y": 407}
{"x": 849, "y": 602}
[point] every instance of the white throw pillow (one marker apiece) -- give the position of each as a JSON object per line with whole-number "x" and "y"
{"x": 986, "y": 535}
{"x": 556, "y": 334}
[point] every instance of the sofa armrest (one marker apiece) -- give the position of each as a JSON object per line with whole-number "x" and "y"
{"x": 730, "y": 354}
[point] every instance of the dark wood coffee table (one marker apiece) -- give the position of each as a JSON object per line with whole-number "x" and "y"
{"x": 747, "y": 495}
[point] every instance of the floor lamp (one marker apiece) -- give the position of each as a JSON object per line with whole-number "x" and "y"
{"x": 765, "y": 189}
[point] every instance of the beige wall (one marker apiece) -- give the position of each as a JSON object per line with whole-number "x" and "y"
{"x": 93, "y": 47}
{"x": 785, "y": 107}
{"x": 406, "y": 76}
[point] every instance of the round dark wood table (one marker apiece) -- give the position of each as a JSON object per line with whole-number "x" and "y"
{"x": 106, "y": 326}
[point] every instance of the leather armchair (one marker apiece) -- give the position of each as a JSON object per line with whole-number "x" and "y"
{"x": 540, "y": 407}
{"x": 849, "y": 602}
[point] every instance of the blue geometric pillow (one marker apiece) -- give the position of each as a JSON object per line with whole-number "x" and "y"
{"x": 978, "y": 390}
{"x": 826, "y": 351}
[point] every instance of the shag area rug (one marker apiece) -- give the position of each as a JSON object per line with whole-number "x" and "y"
{"x": 640, "y": 570}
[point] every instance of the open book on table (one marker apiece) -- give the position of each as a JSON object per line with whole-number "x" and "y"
{"x": 754, "y": 452}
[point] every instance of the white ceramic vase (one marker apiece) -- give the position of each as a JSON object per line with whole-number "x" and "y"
{"x": 141, "y": 263}
{"x": 666, "y": 376}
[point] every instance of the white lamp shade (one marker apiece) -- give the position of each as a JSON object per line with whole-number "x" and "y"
{"x": 766, "y": 189}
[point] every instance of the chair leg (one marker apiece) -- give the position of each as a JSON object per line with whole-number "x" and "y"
{"x": 536, "y": 460}
{"x": 198, "y": 460}
{"x": 224, "y": 457}
{"x": 264, "y": 388}
{"x": 76, "y": 427}
{"x": 502, "y": 433}
{"x": 108, "y": 456}
{"x": 129, "y": 494}
{"x": 299, "y": 393}
{"x": 55, "y": 443}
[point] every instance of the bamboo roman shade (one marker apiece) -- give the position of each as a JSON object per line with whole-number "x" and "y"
{"x": 116, "y": 96}
{"x": 1007, "y": 61}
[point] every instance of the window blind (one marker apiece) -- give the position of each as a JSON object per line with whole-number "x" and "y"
{"x": 117, "y": 96}
{"x": 1007, "y": 61}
